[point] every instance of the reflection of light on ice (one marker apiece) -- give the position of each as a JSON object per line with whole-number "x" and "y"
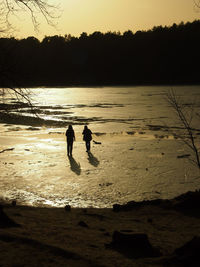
{"x": 49, "y": 203}
{"x": 48, "y": 144}
{"x": 33, "y": 199}
{"x": 137, "y": 158}
{"x": 36, "y": 144}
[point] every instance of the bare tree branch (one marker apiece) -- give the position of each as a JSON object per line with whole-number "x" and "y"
{"x": 186, "y": 121}
{"x": 197, "y": 3}
{"x": 8, "y": 9}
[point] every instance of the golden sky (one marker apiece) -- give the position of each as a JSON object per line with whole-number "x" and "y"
{"x": 77, "y": 16}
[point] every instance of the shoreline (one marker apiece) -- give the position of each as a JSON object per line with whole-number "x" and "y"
{"x": 95, "y": 237}
{"x": 138, "y": 159}
{"x": 107, "y": 85}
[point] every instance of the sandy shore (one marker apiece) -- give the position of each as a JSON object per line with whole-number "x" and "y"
{"x": 84, "y": 237}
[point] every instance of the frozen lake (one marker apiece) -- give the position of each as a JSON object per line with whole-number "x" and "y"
{"x": 138, "y": 158}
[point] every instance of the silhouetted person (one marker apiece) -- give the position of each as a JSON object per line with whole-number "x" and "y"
{"x": 87, "y": 137}
{"x": 70, "y": 139}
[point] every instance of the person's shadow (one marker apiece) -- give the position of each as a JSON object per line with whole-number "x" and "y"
{"x": 93, "y": 160}
{"x": 75, "y": 167}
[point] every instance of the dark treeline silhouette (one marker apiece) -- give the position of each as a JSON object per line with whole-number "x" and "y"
{"x": 162, "y": 55}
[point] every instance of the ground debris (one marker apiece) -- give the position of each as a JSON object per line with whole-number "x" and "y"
{"x": 183, "y": 156}
{"x": 133, "y": 245}
{"x": 7, "y": 149}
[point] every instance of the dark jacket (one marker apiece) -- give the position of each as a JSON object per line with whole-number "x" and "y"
{"x": 70, "y": 135}
{"x": 87, "y": 135}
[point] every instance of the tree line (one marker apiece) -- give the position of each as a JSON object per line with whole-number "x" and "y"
{"x": 162, "y": 55}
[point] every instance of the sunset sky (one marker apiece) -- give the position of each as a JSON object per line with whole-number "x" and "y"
{"x": 77, "y": 16}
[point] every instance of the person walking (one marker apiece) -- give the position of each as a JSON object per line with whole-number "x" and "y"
{"x": 70, "y": 136}
{"x": 87, "y": 137}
